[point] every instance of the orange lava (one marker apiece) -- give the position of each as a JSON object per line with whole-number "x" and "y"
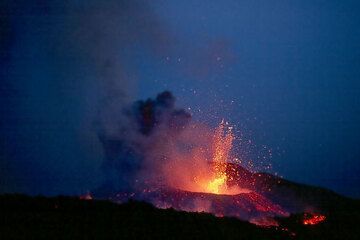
{"x": 313, "y": 219}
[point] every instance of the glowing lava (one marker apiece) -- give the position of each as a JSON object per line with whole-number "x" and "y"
{"x": 313, "y": 219}
{"x": 214, "y": 185}
{"x": 222, "y": 145}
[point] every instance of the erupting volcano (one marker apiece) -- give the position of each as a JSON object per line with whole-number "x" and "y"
{"x": 174, "y": 161}
{"x": 156, "y": 152}
{"x": 255, "y": 136}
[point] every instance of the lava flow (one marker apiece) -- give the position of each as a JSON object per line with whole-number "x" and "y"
{"x": 313, "y": 219}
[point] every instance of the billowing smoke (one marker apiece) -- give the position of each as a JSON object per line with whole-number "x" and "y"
{"x": 147, "y": 142}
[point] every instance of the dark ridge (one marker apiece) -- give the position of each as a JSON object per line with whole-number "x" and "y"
{"x": 24, "y": 217}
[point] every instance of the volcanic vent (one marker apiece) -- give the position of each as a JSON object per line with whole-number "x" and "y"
{"x": 157, "y": 153}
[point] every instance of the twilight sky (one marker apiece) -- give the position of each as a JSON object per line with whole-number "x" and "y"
{"x": 285, "y": 73}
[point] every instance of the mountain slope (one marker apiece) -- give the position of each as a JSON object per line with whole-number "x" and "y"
{"x": 25, "y": 217}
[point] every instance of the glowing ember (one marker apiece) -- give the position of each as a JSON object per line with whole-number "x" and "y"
{"x": 313, "y": 219}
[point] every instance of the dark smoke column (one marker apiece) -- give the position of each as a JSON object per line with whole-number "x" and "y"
{"x": 140, "y": 122}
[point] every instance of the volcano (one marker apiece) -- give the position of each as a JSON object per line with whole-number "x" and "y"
{"x": 251, "y": 204}
{"x": 188, "y": 190}
{"x": 161, "y": 156}
{"x": 264, "y": 199}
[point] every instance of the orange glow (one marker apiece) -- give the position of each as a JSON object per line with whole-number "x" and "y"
{"x": 205, "y": 167}
{"x": 313, "y": 219}
{"x": 222, "y": 144}
{"x": 215, "y": 180}
{"x": 215, "y": 185}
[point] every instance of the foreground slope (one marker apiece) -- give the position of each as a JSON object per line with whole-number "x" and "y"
{"x": 24, "y": 217}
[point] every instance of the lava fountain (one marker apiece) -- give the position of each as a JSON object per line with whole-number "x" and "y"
{"x": 221, "y": 147}
{"x": 223, "y": 139}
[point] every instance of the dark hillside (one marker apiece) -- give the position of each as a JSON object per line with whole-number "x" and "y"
{"x": 24, "y": 217}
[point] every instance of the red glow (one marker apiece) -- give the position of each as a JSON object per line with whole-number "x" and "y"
{"x": 313, "y": 219}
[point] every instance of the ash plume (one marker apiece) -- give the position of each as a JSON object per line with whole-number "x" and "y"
{"x": 129, "y": 149}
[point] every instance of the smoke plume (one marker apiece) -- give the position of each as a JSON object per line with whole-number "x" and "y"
{"x": 155, "y": 144}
